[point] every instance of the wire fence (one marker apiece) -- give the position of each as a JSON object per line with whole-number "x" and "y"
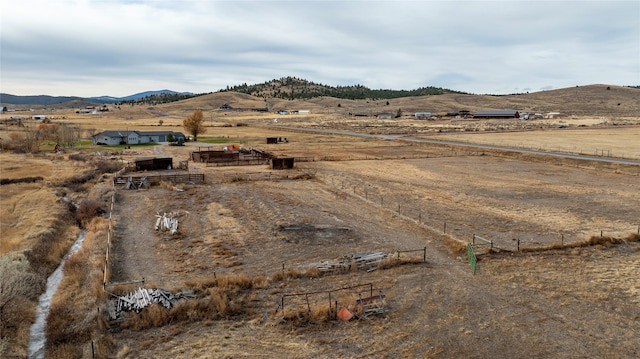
{"x": 404, "y": 205}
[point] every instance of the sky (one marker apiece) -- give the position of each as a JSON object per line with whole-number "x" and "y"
{"x": 121, "y": 47}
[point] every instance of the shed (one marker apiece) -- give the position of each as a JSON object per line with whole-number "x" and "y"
{"x": 420, "y": 115}
{"x": 282, "y": 163}
{"x": 152, "y": 164}
{"x": 497, "y": 114}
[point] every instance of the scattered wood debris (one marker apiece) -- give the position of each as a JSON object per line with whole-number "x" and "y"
{"x": 368, "y": 261}
{"x": 370, "y": 305}
{"x": 142, "y": 298}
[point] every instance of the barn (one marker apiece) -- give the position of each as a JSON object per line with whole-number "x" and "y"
{"x": 497, "y": 114}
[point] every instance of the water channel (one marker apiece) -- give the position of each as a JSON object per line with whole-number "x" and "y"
{"x": 38, "y": 329}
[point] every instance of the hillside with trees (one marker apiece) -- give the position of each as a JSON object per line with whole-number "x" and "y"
{"x": 294, "y": 88}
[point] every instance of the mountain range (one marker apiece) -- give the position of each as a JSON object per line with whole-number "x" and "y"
{"x": 46, "y": 100}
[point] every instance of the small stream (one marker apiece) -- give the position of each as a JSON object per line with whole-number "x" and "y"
{"x": 38, "y": 329}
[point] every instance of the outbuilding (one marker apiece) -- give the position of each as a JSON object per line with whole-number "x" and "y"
{"x": 497, "y": 114}
{"x": 152, "y": 164}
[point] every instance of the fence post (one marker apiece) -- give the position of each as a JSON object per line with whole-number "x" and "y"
{"x": 444, "y": 231}
{"x": 518, "y": 244}
{"x": 562, "y": 240}
{"x": 473, "y": 240}
{"x": 424, "y": 255}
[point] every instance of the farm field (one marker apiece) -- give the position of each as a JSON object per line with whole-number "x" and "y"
{"x": 562, "y": 279}
{"x": 513, "y": 306}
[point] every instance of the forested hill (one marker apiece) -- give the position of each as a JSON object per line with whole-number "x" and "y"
{"x": 294, "y": 88}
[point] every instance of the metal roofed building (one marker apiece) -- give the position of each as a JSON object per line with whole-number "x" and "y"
{"x": 497, "y": 114}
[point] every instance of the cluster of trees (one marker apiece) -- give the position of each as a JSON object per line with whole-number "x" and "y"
{"x": 295, "y": 88}
{"x": 29, "y": 140}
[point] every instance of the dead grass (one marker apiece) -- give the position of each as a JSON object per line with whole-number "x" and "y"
{"x": 73, "y": 326}
{"x": 604, "y": 241}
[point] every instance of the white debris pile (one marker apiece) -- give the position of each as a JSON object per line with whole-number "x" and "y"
{"x": 167, "y": 222}
{"x": 142, "y": 298}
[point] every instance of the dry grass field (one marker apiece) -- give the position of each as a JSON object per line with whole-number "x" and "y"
{"x": 562, "y": 281}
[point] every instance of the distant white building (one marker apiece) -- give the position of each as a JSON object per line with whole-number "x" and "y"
{"x": 87, "y": 111}
{"x": 133, "y": 137}
{"x": 39, "y": 117}
{"x": 422, "y": 115}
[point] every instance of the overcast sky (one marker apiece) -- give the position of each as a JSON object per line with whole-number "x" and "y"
{"x": 121, "y": 47}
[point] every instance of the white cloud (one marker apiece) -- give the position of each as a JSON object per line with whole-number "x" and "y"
{"x": 89, "y": 48}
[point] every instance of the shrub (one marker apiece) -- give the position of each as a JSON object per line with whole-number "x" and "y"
{"x": 108, "y": 166}
{"x": 87, "y": 210}
{"x": 78, "y": 157}
{"x": 19, "y": 289}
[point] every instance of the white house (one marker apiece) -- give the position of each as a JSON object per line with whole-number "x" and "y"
{"x": 119, "y": 137}
{"x": 39, "y": 117}
{"x": 420, "y": 115}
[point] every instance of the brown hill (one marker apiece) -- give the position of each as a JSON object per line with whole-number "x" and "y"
{"x": 592, "y": 100}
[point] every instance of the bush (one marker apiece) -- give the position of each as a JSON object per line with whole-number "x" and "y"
{"x": 19, "y": 289}
{"x": 108, "y": 166}
{"x": 4, "y": 181}
{"x": 78, "y": 157}
{"x": 87, "y": 210}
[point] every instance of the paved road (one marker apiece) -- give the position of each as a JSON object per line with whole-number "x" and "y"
{"x": 472, "y": 145}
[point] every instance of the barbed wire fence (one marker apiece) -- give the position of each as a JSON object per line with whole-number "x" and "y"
{"x": 405, "y": 206}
